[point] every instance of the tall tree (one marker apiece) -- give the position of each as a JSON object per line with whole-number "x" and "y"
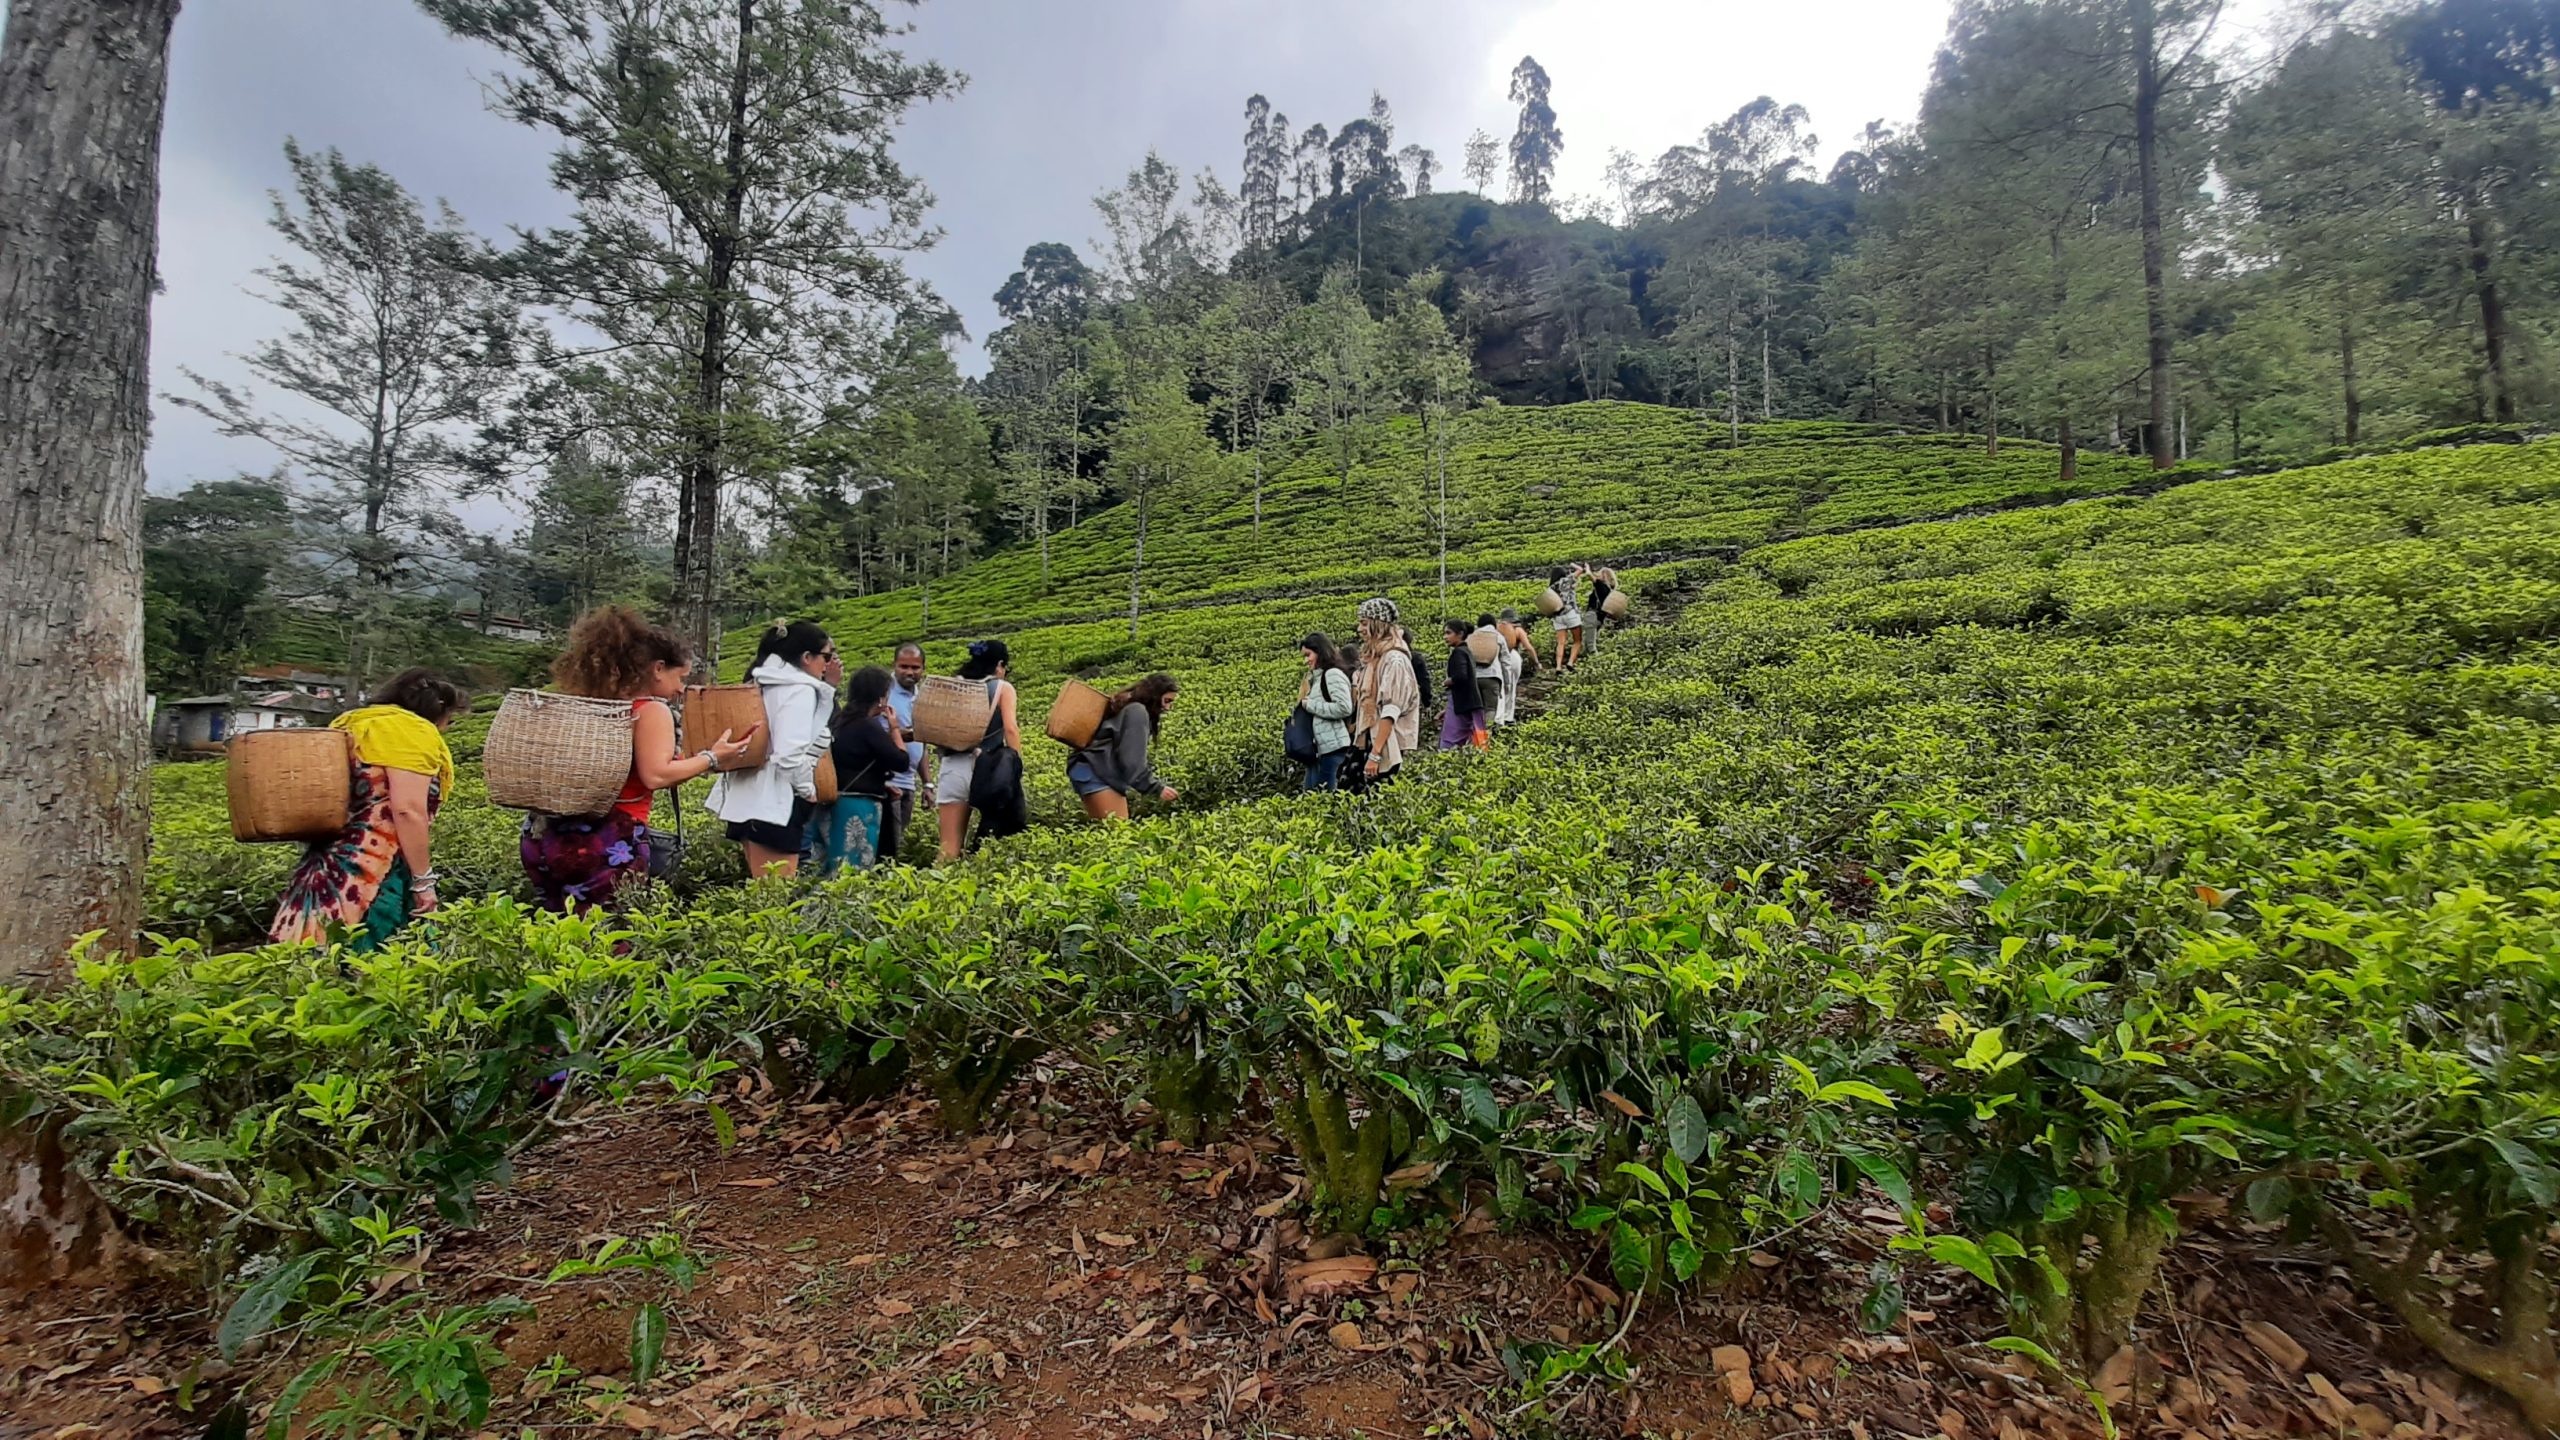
{"x": 1340, "y": 391}
{"x": 83, "y": 89}
{"x": 1535, "y": 142}
{"x": 1159, "y": 448}
{"x": 1427, "y": 369}
{"x": 740, "y": 209}
{"x": 1484, "y": 156}
{"x": 209, "y": 555}
{"x": 397, "y": 351}
{"x": 584, "y": 546}
{"x": 2492, "y": 67}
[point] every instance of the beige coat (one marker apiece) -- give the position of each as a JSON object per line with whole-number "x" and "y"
{"x": 1387, "y": 689}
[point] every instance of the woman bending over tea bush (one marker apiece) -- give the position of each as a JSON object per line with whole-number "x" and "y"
{"x": 376, "y": 873}
{"x": 1116, "y": 764}
{"x": 579, "y": 862}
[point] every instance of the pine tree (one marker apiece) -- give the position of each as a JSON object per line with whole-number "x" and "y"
{"x": 1536, "y": 142}
{"x": 740, "y": 209}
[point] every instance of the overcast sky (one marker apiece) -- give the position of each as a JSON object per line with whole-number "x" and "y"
{"x": 1063, "y": 97}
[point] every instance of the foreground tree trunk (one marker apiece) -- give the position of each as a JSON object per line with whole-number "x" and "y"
{"x": 83, "y": 88}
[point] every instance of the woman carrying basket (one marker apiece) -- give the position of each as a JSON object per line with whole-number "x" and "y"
{"x": 954, "y": 787}
{"x": 1116, "y": 763}
{"x": 578, "y": 863}
{"x": 1564, "y": 580}
{"x": 375, "y": 875}
{"x": 767, "y": 808}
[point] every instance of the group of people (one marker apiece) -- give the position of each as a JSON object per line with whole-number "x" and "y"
{"x": 379, "y": 871}
{"x": 1360, "y": 714}
{"x": 1361, "y": 706}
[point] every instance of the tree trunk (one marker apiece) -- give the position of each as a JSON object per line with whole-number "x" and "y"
{"x": 1991, "y": 403}
{"x": 1138, "y": 556}
{"x": 83, "y": 89}
{"x": 698, "y": 504}
{"x": 2155, "y": 285}
{"x": 1733, "y": 384}
{"x": 2347, "y": 376}
{"x": 2493, "y": 316}
{"x": 2062, "y": 435}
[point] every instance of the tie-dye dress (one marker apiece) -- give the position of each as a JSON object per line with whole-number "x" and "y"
{"x": 356, "y": 883}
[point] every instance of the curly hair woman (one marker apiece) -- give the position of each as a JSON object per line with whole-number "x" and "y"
{"x": 580, "y": 862}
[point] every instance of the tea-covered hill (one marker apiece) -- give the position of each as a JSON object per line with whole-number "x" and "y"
{"x": 1964, "y": 927}
{"x": 1606, "y": 483}
{"x": 1225, "y": 604}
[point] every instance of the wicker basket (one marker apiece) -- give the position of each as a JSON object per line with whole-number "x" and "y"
{"x": 557, "y": 754}
{"x": 950, "y": 712}
{"x": 828, "y": 790}
{"x": 1484, "y": 646}
{"x": 1077, "y": 715}
{"x": 1549, "y": 602}
{"x": 1615, "y": 607}
{"x": 738, "y": 709}
{"x": 289, "y": 785}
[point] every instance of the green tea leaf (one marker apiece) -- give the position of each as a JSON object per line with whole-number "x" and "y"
{"x": 648, "y": 1343}
{"x": 255, "y": 1312}
{"x": 1685, "y": 1126}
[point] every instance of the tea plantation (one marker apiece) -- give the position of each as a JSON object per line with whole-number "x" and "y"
{"x": 2034, "y": 874}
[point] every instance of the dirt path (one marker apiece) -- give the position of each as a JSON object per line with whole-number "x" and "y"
{"x": 1067, "y": 1276}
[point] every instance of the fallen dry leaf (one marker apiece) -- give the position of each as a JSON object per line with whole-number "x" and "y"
{"x": 1115, "y": 1240}
{"x": 893, "y": 1308}
{"x": 1137, "y": 1332}
{"x": 1345, "y": 1335}
{"x": 2282, "y": 1350}
{"x": 760, "y": 1182}
{"x": 1145, "y": 1414}
{"x": 1334, "y": 1276}
{"x": 1625, "y": 1106}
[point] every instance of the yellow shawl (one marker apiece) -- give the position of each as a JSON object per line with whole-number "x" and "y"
{"x": 398, "y": 739}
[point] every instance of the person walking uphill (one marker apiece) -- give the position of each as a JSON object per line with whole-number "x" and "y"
{"x": 1326, "y": 696}
{"x": 1462, "y": 716}
{"x": 1116, "y": 764}
{"x": 1519, "y": 651}
{"x": 767, "y": 808}
{"x": 377, "y": 873}
{"x": 1564, "y": 581}
{"x": 581, "y": 862}
{"x": 1388, "y": 721}
{"x": 956, "y": 789}
{"x": 870, "y": 751}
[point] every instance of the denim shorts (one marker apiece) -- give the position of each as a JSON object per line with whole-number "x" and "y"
{"x": 1081, "y": 776}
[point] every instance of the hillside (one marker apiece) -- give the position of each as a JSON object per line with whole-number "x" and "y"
{"x": 1609, "y": 483}
{"x": 2014, "y": 902}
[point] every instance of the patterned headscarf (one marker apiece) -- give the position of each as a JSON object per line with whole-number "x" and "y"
{"x": 1380, "y": 609}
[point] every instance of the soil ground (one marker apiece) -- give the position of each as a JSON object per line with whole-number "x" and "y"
{"x": 1065, "y": 1275}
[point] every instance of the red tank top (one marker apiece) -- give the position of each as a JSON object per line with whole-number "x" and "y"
{"x": 635, "y": 799}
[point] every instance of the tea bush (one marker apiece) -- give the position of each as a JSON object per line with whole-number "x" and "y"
{"x": 2040, "y": 870}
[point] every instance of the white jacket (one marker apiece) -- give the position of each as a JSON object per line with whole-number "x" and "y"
{"x": 796, "y": 707}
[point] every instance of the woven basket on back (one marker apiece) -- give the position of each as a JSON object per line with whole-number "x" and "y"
{"x": 738, "y": 709}
{"x": 1615, "y": 607}
{"x": 557, "y": 754}
{"x": 1077, "y": 715}
{"x": 828, "y": 789}
{"x": 951, "y": 712}
{"x": 1549, "y": 602}
{"x": 1484, "y": 646}
{"x": 289, "y": 785}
